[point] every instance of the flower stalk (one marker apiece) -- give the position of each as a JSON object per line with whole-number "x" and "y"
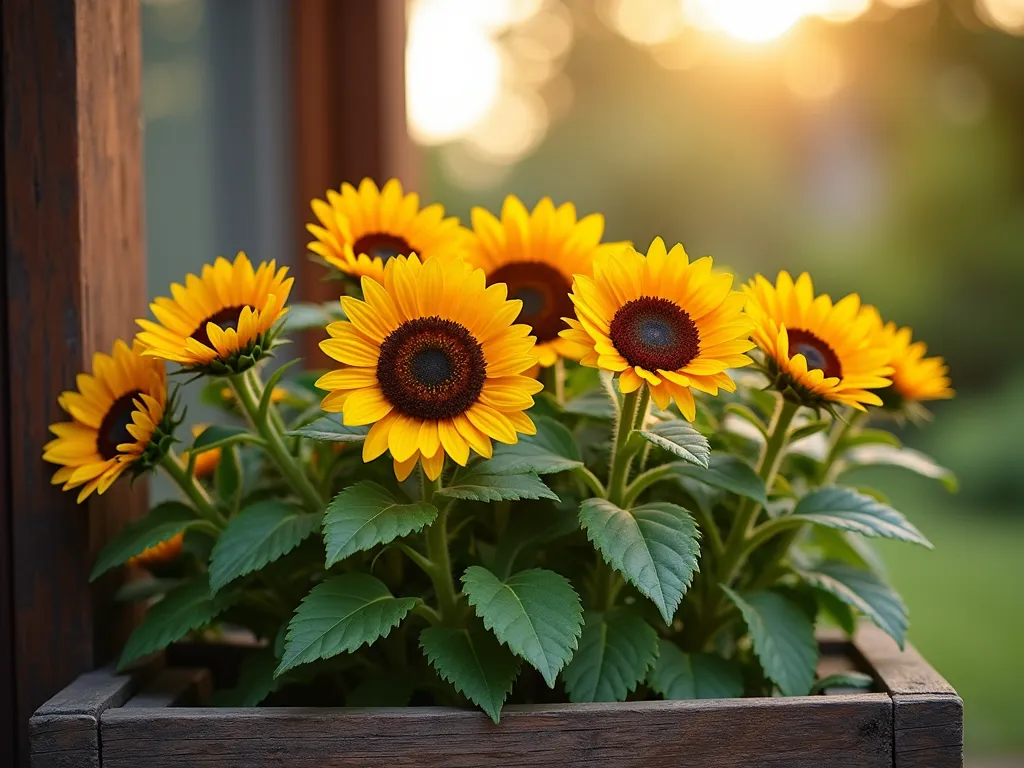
{"x": 186, "y": 481}
{"x": 439, "y": 564}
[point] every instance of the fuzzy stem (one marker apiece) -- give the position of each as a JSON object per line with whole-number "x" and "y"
{"x": 440, "y": 567}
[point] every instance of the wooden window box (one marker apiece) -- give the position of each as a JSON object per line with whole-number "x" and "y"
{"x": 914, "y": 720}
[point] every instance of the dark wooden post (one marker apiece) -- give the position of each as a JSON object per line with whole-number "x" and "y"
{"x": 73, "y": 281}
{"x": 348, "y": 91}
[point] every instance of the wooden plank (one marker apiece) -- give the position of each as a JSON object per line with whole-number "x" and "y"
{"x": 348, "y": 91}
{"x": 174, "y": 687}
{"x": 65, "y": 730}
{"x": 840, "y": 731}
{"x": 928, "y": 716}
{"x": 73, "y": 282}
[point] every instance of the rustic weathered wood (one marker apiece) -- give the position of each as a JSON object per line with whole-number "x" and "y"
{"x": 348, "y": 91}
{"x": 725, "y": 733}
{"x": 73, "y": 281}
{"x": 65, "y": 730}
{"x": 174, "y": 687}
{"x": 928, "y": 718}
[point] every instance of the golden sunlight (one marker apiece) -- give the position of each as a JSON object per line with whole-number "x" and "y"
{"x": 749, "y": 20}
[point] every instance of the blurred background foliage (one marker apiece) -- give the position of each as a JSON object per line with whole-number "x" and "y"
{"x": 878, "y": 144}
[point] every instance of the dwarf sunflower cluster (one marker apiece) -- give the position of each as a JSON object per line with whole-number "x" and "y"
{"x": 530, "y": 464}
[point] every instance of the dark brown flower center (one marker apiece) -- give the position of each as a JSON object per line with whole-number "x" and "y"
{"x": 225, "y": 318}
{"x": 817, "y": 352}
{"x": 431, "y": 368}
{"x": 381, "y": 245}
{"x": 544, "y": 292}
{"x": 114, "y": 428}
{"x": 655, "y": 334}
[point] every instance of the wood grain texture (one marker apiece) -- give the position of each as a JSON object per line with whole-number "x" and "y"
{"x": 348, "y": 97}
{"x": 65, "y": 730}
{"x": 928, "y": 716}
{"x": 73, "y": 282}
{"x": 726, "y": 733}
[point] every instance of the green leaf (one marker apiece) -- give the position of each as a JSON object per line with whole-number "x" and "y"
{"x": 340, "y": 615}
{"x": 847, "y": 547}
{"x": 365, "y": 515}
{"x": 870, "y": 437}
{"x": 681, "y": 439}
{"x": 528, "y": 527}
{"x": 536, "y": 613}
{"x": 217, "y": 436}
{"x": 864, "y": 591}
{"x": 811, "y": 428}
{"x": 185, "y": 608}
{"x": 904, "y": 458}
{"x": 268, "y": 389}
{"x": 678, "y": 675}
{"x": 849, "y": 510}
{"x": 227, "y": 478}
{"x": 856, "y": 680}
{"x": 596, "y": 404}
{"x": 161, "y": 523}
{"x": 729, "y": 473}
{"x": 747, "y": 414}
{"x": 552, "y": 449}
{"x": 473, "y": 661}
{"x": 330, "y": 429}
{"x": 255, "y": 681}
{"x": 783, "y": 637}
{"x": 262, "y": 533}
{"x": 614, "y": 654}
{"x": 654, "y": 546}
{"x": 476, "y": 486}
{"x": 838, "y": 611}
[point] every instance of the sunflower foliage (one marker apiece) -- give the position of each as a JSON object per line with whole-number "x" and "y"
{"x": 531, "y": 467}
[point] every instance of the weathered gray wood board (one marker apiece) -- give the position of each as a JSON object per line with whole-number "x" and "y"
{"x": 917, "y": 721}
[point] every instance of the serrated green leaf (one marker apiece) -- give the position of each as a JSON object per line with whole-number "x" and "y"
{"x": 255, "y": 681}
{"x": 856, "y": 680}
{"x": 654, "y": 546}
{"x": 216, "y": 436}
{"x": 783, "y": 637}
{"x": 849, "y": 510}
{"x": 729, "y": 473}
{"x": 475, "y": 486}
{"x": 678, "y": 675}
{"x": 161, "y": 523}
{"x": 615, "y": 651}
{"x": 227, "y": 478}
{"x": 528, "y": 527}
{"x": 262, "y": 533}
{"x": 903, "y": 458}
{"x": 183, "y": 609}
{"x": 864, "y": 591}
{"x": 553, "y": 449}
{"x": 365, "y": 515}
{"x": 473, "y": 661}
{"x": 536, "y": 613}
{"x": 681, "y": 439}
{"x": 340, "y": 615}
{"x": 596, "y": 404}
{"x": 330, "y": 429}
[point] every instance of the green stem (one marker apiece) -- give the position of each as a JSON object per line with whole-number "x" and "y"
{"x": 248, "y": 392}
{"x": 186, "y": 481}
{"x": 645, "y": 480}
{"x": 560, "y": 381}
{"x": 591, "y": 481}
{"x": 440, "y": 564}
{"x": 633, "y": 415}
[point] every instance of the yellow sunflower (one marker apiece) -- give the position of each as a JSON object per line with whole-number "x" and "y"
{"x": 536, "y": 255}
{"x": 221, "y": 322}
{"x": 120, "y": 419}
{"x": 662, "y": 320}
{"x": 814, "y": 349}
{"x": 361, "y": 229}
{"x": 915, "y": 378}
{"x": 432, "y": 359}
{"x": 160, "y": 553}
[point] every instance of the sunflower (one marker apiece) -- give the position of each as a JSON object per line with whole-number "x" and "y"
{"x": 817, "y": 351}
{"x": 662, "y": 320}
{"x": 536, "y": 255}
{"x": 161, "y": 552}
{"x": 432, "y": 359}
{"x": 120, "y": 419}
{"x": 360, "y": 230}
{"x": 915, "y": 378}
{"x": 221, "y": 322}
